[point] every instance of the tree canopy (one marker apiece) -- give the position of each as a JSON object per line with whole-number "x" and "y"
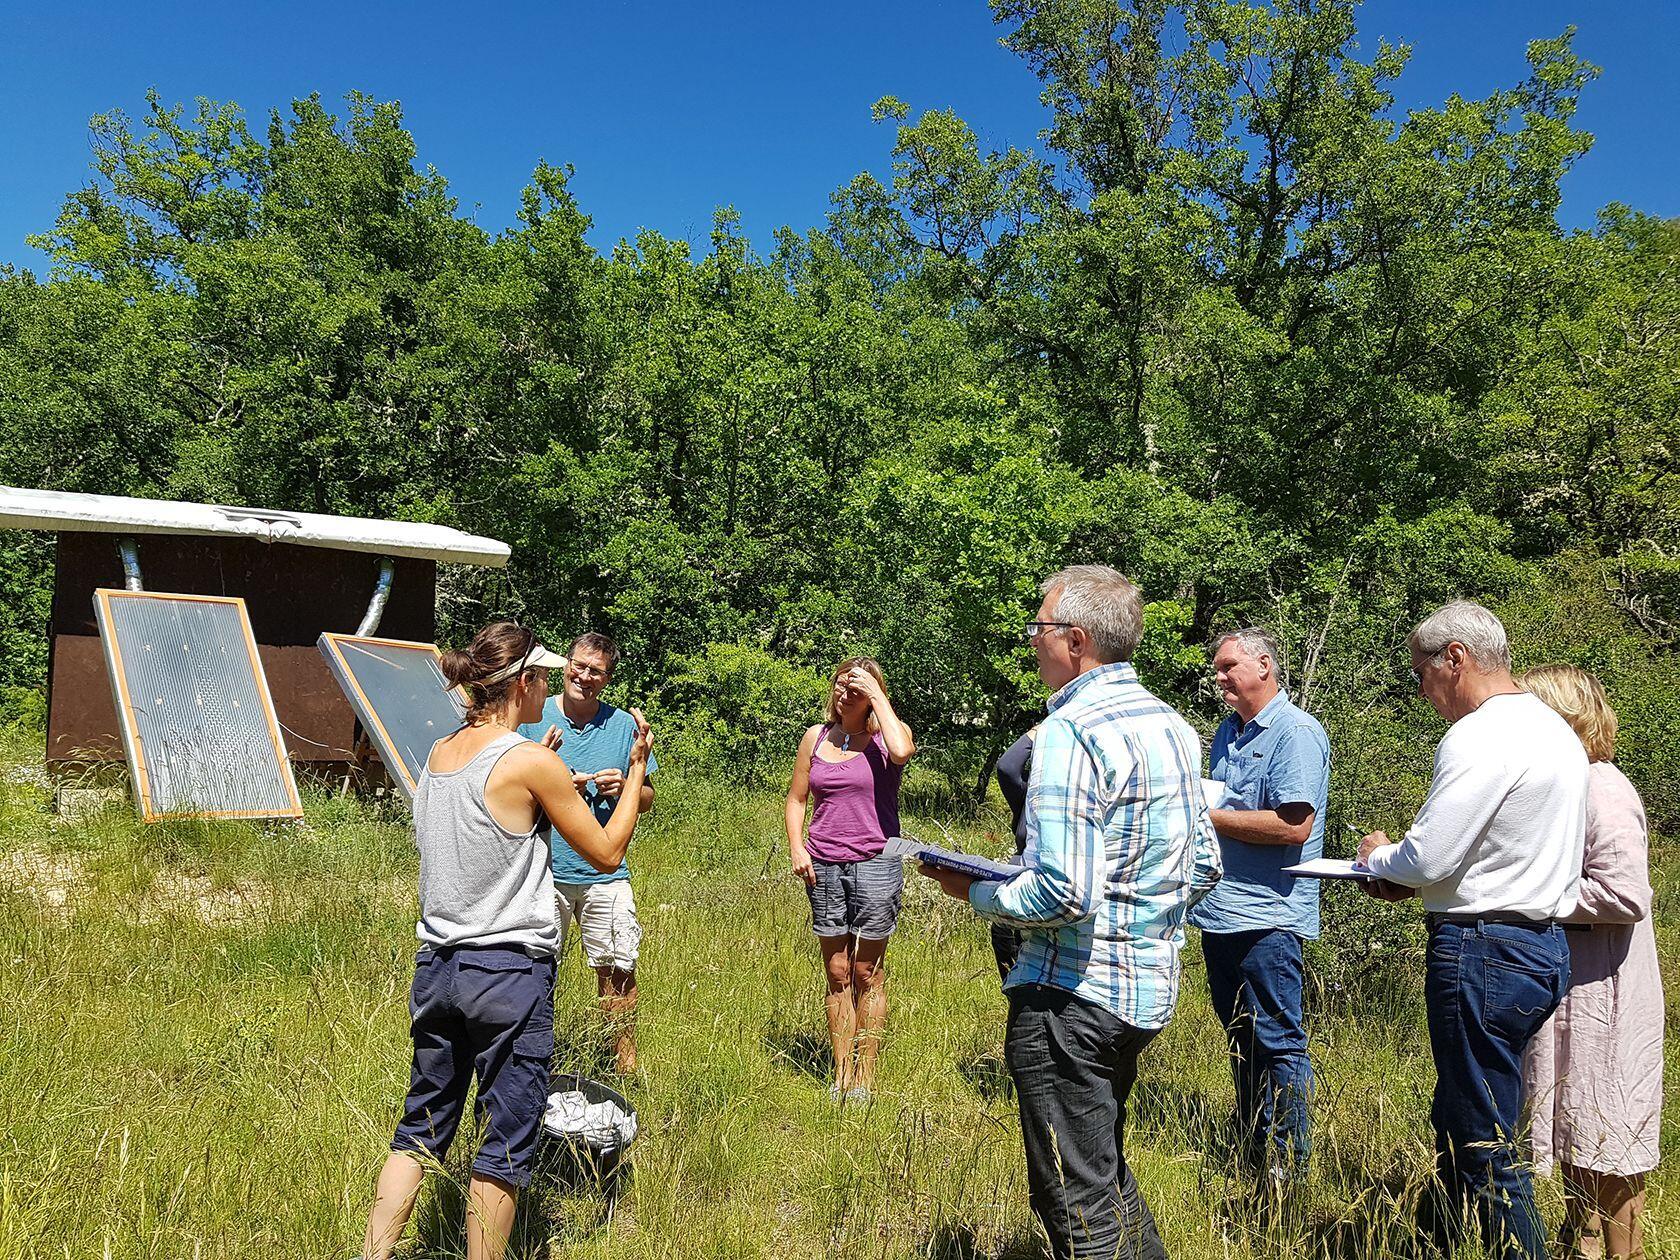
{"x": 1242, "y": 329}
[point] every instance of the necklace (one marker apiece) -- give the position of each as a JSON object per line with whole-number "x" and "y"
{"x": 846, "y": 739}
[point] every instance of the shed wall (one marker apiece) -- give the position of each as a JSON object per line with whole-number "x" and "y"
{"x": 292, "y": 593}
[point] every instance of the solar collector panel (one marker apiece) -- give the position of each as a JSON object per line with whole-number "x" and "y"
{"x": 400, "y": 696}
{"x": 197, "y": 719}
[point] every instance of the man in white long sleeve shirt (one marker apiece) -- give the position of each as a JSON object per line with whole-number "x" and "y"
{"x": 1496, "y": 854}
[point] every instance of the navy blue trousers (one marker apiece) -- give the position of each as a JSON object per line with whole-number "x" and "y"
{"x": 1256, "y": 979}
{"x": 486, "y": 1012}
{"x": 1490, "y": 986}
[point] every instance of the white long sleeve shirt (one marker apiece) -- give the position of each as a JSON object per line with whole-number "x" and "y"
{"x": 1505, "y": 821}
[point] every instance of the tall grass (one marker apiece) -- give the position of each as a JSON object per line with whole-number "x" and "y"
{"x": 205, "y": 1046}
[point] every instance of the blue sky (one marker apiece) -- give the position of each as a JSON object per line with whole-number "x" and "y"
{"x": 668, "y": 110}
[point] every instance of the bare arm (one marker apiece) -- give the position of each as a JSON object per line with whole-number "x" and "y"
{"x": 793, "y": 812}
{"x": 1289, "y": 824}
{"x": 611, "y": 783}
{"x": 895, "y": 733}
{"x": 550, "y": 782}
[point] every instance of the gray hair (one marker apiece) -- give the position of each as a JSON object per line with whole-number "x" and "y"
{"x": 1257, "y": 642}
{"x": 1103, "y": 603}
{"x": 1463, "y": 622}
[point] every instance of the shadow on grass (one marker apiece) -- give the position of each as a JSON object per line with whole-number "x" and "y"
{"x": 575, "y": 1191}
{"x": 585, "y": 1049}
{"x": 571, "y": 1198}
{"x": 1377, "y": 1221}
{"x": 987, "y": 1074}
{"x": 440, "y": 1224}
{"x": 1387, "y": 1216}
{"x": 958, "y": 1240}
{"x": 1165, "y": 1110}
{"x": 801, "y": 1049}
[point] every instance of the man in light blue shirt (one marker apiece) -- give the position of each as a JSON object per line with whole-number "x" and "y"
{"x": 595, "y": 742}
{"x": 1274, "y": 762}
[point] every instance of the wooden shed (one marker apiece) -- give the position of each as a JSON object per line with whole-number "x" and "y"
{"x": 299, "y": 573}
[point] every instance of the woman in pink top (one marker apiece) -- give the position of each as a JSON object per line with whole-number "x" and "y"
{"x": 1592, "y": 1076}
{"x": 851, "y": 766}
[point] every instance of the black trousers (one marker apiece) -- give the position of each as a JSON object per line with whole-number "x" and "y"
{"x": 1074, "y": 1066}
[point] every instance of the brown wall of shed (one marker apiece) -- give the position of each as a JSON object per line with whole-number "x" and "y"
{"x": 291, "y": 592}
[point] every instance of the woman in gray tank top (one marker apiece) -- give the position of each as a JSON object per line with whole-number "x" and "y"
{"x": 483, "y": 996}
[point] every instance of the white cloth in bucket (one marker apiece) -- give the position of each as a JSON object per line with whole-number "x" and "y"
{"x": 604, "y": 1125}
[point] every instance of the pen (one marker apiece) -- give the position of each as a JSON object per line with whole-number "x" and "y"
{"x": 1361, "y": 833}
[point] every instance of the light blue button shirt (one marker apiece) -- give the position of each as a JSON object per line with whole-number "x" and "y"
{"x": 1279, "y": 758}
{"x": 1118, "y": 845}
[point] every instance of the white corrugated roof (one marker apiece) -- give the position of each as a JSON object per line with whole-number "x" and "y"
{"x": 114, "y": 514}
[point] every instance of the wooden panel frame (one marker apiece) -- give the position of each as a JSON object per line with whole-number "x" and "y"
{"x": 103, "y": 598}
{"x": 332, "y": 644}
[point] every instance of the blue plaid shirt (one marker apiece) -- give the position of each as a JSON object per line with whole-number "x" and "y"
{"x": 1119, "y": 846}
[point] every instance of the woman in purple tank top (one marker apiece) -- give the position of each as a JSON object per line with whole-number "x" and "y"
{"x": 851, "y": 766}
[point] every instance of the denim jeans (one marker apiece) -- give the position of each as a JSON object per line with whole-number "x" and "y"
{"x": 1489, "y": 988}
{"x": 1255, "y": 980}
{"x": 1074, "y": 1065}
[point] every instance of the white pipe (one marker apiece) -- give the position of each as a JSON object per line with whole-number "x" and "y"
{"x": 381, "y": 593}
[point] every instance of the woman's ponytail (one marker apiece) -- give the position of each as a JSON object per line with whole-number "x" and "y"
{"x": 494, "y": 648}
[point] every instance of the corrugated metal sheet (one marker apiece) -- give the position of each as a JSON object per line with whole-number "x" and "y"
{"x": 197, "y": 720}
{"x": 400, "y": 695}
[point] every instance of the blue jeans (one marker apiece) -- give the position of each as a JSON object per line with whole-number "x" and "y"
{"x": 1489, "y": 988}
{"x": 1255, "y": 980}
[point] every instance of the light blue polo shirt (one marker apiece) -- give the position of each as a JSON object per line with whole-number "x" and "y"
{"x": 602, "y": 743}
{"x": 1280, "y": 758}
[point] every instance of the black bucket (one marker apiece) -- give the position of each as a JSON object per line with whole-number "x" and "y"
{"x": 573, "y": 1163}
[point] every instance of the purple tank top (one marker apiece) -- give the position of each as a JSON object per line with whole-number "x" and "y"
{"x": 855, "y": 803}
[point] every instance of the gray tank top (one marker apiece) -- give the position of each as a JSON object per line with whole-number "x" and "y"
{"x": 480, "y": 884}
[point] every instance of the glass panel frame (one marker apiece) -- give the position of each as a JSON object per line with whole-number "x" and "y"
{"x": 402, "y": 722}
{"x": 208, "y": 744}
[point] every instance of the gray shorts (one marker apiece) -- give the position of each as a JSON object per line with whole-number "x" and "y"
{"x": 858, "y": 899}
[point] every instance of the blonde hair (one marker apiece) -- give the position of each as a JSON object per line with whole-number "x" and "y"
{"x": 870, "y": 666}
{"x": 1580, "y": 698}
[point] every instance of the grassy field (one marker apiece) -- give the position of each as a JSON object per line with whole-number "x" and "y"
{"x": 204, "y": 1048}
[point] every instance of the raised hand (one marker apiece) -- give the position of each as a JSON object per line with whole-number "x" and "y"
{"x": 643, "y": 744}
{"x": 863, "y": 682}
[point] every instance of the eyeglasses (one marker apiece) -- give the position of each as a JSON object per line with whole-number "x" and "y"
{"x": 1433, "y": 658}
{"x": 1034, "y": 629}
{"x": 588, "y": 671}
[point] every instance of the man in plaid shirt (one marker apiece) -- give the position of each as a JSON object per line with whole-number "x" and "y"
{"x": 1119, "y": 846}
